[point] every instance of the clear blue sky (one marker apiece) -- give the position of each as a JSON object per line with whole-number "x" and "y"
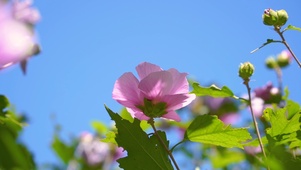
{"x": 87, "y": 45}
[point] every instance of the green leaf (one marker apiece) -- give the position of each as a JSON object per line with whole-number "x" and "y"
{"x": 4, "y": 103}
{"x": 279, "y": 123}
{"x": 100, "y": 128}
{"x": 295, "y": 140}
{"x": 13, "y": 154}
{"x": 291, "y": 27}
{"x": 269, "y": 41}
{"x": 292, "y": 108}
{"x": 281, "y": 158}
{"x": 126, "y": 115}
{"x": 212, "y": 91}
{"x": 210, "y": 130}
{"x": 226, "y": 157}
{"x": 144, "y": 152}
{"x": 286, "y": 94}
{"x": 110, "y": 138}
{"x": 7, "y": 114}
{"x": 64, "y": 151}
{"x": 255, "y": 142}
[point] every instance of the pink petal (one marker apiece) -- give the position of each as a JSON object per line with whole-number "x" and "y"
{"x": 177, "y": 101}
{"x": 126, "y": 90}
{"x": 156, "y": 84}
{"x": 137, "y": 114}
{"x": 144, "y": 69}
{"x": 172, "y": 115}
{"x": 180, "y": 83}
{"x": 16, "y": 42}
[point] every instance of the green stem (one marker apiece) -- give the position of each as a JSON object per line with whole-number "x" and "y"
{"x": 151, "y": 122}
{"x": 176, "y": 145}
{"x": 246, "y": 82}
{"x": 279, "y": 77}
{"x": 277, "y": 29}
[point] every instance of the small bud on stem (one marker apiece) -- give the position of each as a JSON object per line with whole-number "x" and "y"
{"x": 246, "y": 70}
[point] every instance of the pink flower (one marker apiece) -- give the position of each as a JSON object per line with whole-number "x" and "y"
{"x": 252, "y": 150}
{"x": 286, "y": 55}
{"x": 23, "y": 11}
{"x": 92, "y": 149}
{"x": 264, "y": 92}
{"x": 157, "y": 93}
{"x": 230, "y": 118}
{"x": 17, "y": 38}
{"x": 95, "y": 153}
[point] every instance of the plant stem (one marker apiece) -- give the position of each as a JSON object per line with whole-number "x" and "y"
{"x": 277, "y": 29}
{"x": 176, "y": 145}
{"x": 279, "y": 78}
{"x": 151, "y": 122}
{"x": 246, "y": 82}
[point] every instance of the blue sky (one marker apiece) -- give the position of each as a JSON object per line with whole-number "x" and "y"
{"x": 87, "y": 45}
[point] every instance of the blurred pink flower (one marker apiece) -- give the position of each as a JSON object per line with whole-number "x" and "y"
{"x": 230, "y": 118}
{"x": 156, "y": 90}
{"x": 23, "y": 11}
{"x": 252, "y": 150}
{"x": 16, "y": 42}
{"x": 286, "y": 54}
{"x": 92, "y": 149}
{"x": 258, "y": 106}
{"x": 95, "y": 152}
{"x": 268, "y": 93}
{"x": 264, "y": 92}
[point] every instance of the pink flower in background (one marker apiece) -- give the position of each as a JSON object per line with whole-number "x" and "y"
{"x": 285, "y": 54}
{"x": 264, "y": 92}
{"x": 258, "y": 106}
{"x": 252, "y": 150}
{"x": 17, "y": 38}
{"x": 23, "y": 11}
{"x": 92, "y": 149}
{"x": 230, "y": 118}
{"x": 157, "y": 93}
{"x": 268, "y": 93}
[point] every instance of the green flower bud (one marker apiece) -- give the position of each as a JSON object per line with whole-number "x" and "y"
{"x": 246, "y": 70}
{"x": 270, "y": 62}
{"x": 282, "y": 18}
{"x": 284, "y": 58}
{"x": 269, "y": 17}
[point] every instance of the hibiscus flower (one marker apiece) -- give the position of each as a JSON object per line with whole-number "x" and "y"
{"x": 157, "y": 92}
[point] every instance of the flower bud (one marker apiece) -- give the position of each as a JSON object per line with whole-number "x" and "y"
{"x": 274, "y": 18}
{"x": 246, "y": 70}
{"x": 282, "y": 18}
{"x": 269, "y": 17}
{"x": 270, "y": 62}
{"x": 284, "y": 58}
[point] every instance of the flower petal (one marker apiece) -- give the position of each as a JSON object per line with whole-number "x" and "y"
{"x": 180, "y": 83}
{"x": 172, "y": 115}
{"x": 126, "y": 90}
{"x": 177, "y": 101}
{"x": 137, "y": 114}
{"x": 144, "y": 69}
{"x": 156, "y": 85}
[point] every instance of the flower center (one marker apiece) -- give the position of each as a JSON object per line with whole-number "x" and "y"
{"x": 153, "y": 109}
